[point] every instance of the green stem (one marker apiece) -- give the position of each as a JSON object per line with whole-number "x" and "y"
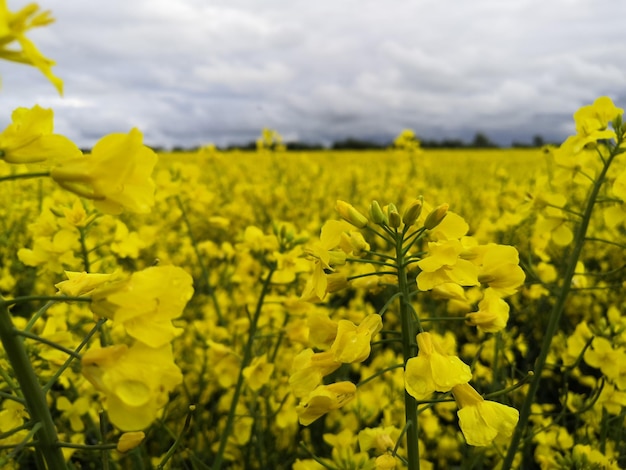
{"x": 371, "y": 261}
{"x": 47, "y": 342}
{"x": 376, "y": 273}
{"x": 409, "y": 350}
{"x": 247, "y": 357}
{"x": 172, "y": 449}
{"x": 608, "y": 242}
{"x": 83, "y": 249}
{"x": 31, "y": 388}
{"x": 379, "y": 373}
{"x": 38, "y": 315}
{"x": 557, "y": 311}
{"x": 53, "y": 298}
{"x": 23, "y": 176}
{"x": 71, "y": 445}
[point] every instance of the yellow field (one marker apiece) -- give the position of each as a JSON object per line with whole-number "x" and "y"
{"x": 240, "y": 388}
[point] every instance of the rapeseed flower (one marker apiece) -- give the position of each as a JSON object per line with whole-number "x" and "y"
{"x": 30, "y": 138}
{"x": 433, "y": 370}
{"x": 116, "y": 175}
{"x": 130, "y": 440}
{"x": 323, "y": 399}
{"x": 585, "y": 456}
{"x": 135, "y": 380}
{"x": 308, "y": 370}
{"x": 13, "y": 27}
{"x": 444, "y": 265}
{"x": 499, "y": 268}
{"x": 146, "y": 303}
{"x": 258, "y": 373}
{"x": 52, "y": 253}
{"x": 352, "y": 343}
{"x": 78, "y": 283}
{"x": 492, "y": 314}
{"x": 325, "y": 257}
{"x": 381, "y": 439}
{"x": 482, "y": 421}
{"x": 609, "y": 359}
{"x": 592, "y": 121}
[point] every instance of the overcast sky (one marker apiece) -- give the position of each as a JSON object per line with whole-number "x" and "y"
{"x": 190, "y": 72}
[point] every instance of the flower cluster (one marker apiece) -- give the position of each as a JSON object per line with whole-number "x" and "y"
{"x": 350, "y": 344}
{"x": 430, "y": 246}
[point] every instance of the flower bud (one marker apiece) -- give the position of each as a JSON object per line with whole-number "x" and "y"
{"x": 394, "y": 215}
{"x": 377, "y": 215}
{"x": 412, "y": 212}
{"x": 436, "y": 216}
{"x": 350, "y": 214}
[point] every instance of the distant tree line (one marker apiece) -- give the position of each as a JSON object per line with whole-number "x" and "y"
{"x": 479, "y": 141}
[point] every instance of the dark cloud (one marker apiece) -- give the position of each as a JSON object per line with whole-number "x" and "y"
{"x": 191, "y": 72}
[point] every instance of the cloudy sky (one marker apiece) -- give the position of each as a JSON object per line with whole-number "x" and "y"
{"x": 190, "y": 72}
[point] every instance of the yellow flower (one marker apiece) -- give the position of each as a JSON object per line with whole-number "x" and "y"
{"x": 325, "y": 258}
{"x": 352, "y": 343}
{"x": 258, "y": 373}
{"x": 433, "y": 370}
{"x": 116, "y": 175}
{"x": 52, "y": 254}
{"x": 593, "y": 120}
{"x": 146, "y": 303}
{"x": 385, "y": 462}
{"x": 74, "y": 411}
{"x": 492, "y": 314}
{"x": 13, "y": 27}
{"x": 322, "y": 330}
{"x": 585, "y": 456}
{"x": 608, "y": 359}
{"x": 453, "y": 227}
{"x": 381, "y": 439}
{"x": 136, "y": 381}
{"x": 29, "y": 138}
{"x": 83, "y": 283}
{"x": 130, "y": 440}
{"x": 499, "y": 268}
{"x": 482, "y": 421}
{"x": 611, "y": 399}
{"x": 308, "y": 370}
{"x": 323, "y": 399}
{"x": 443, "y": 265}
{"x": 77, "y": 216}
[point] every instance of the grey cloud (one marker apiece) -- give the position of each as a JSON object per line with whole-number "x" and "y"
{"x": 191, "y": 72}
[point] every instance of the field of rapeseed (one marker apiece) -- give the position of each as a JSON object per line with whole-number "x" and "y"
{"x": 343, "y": 310}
